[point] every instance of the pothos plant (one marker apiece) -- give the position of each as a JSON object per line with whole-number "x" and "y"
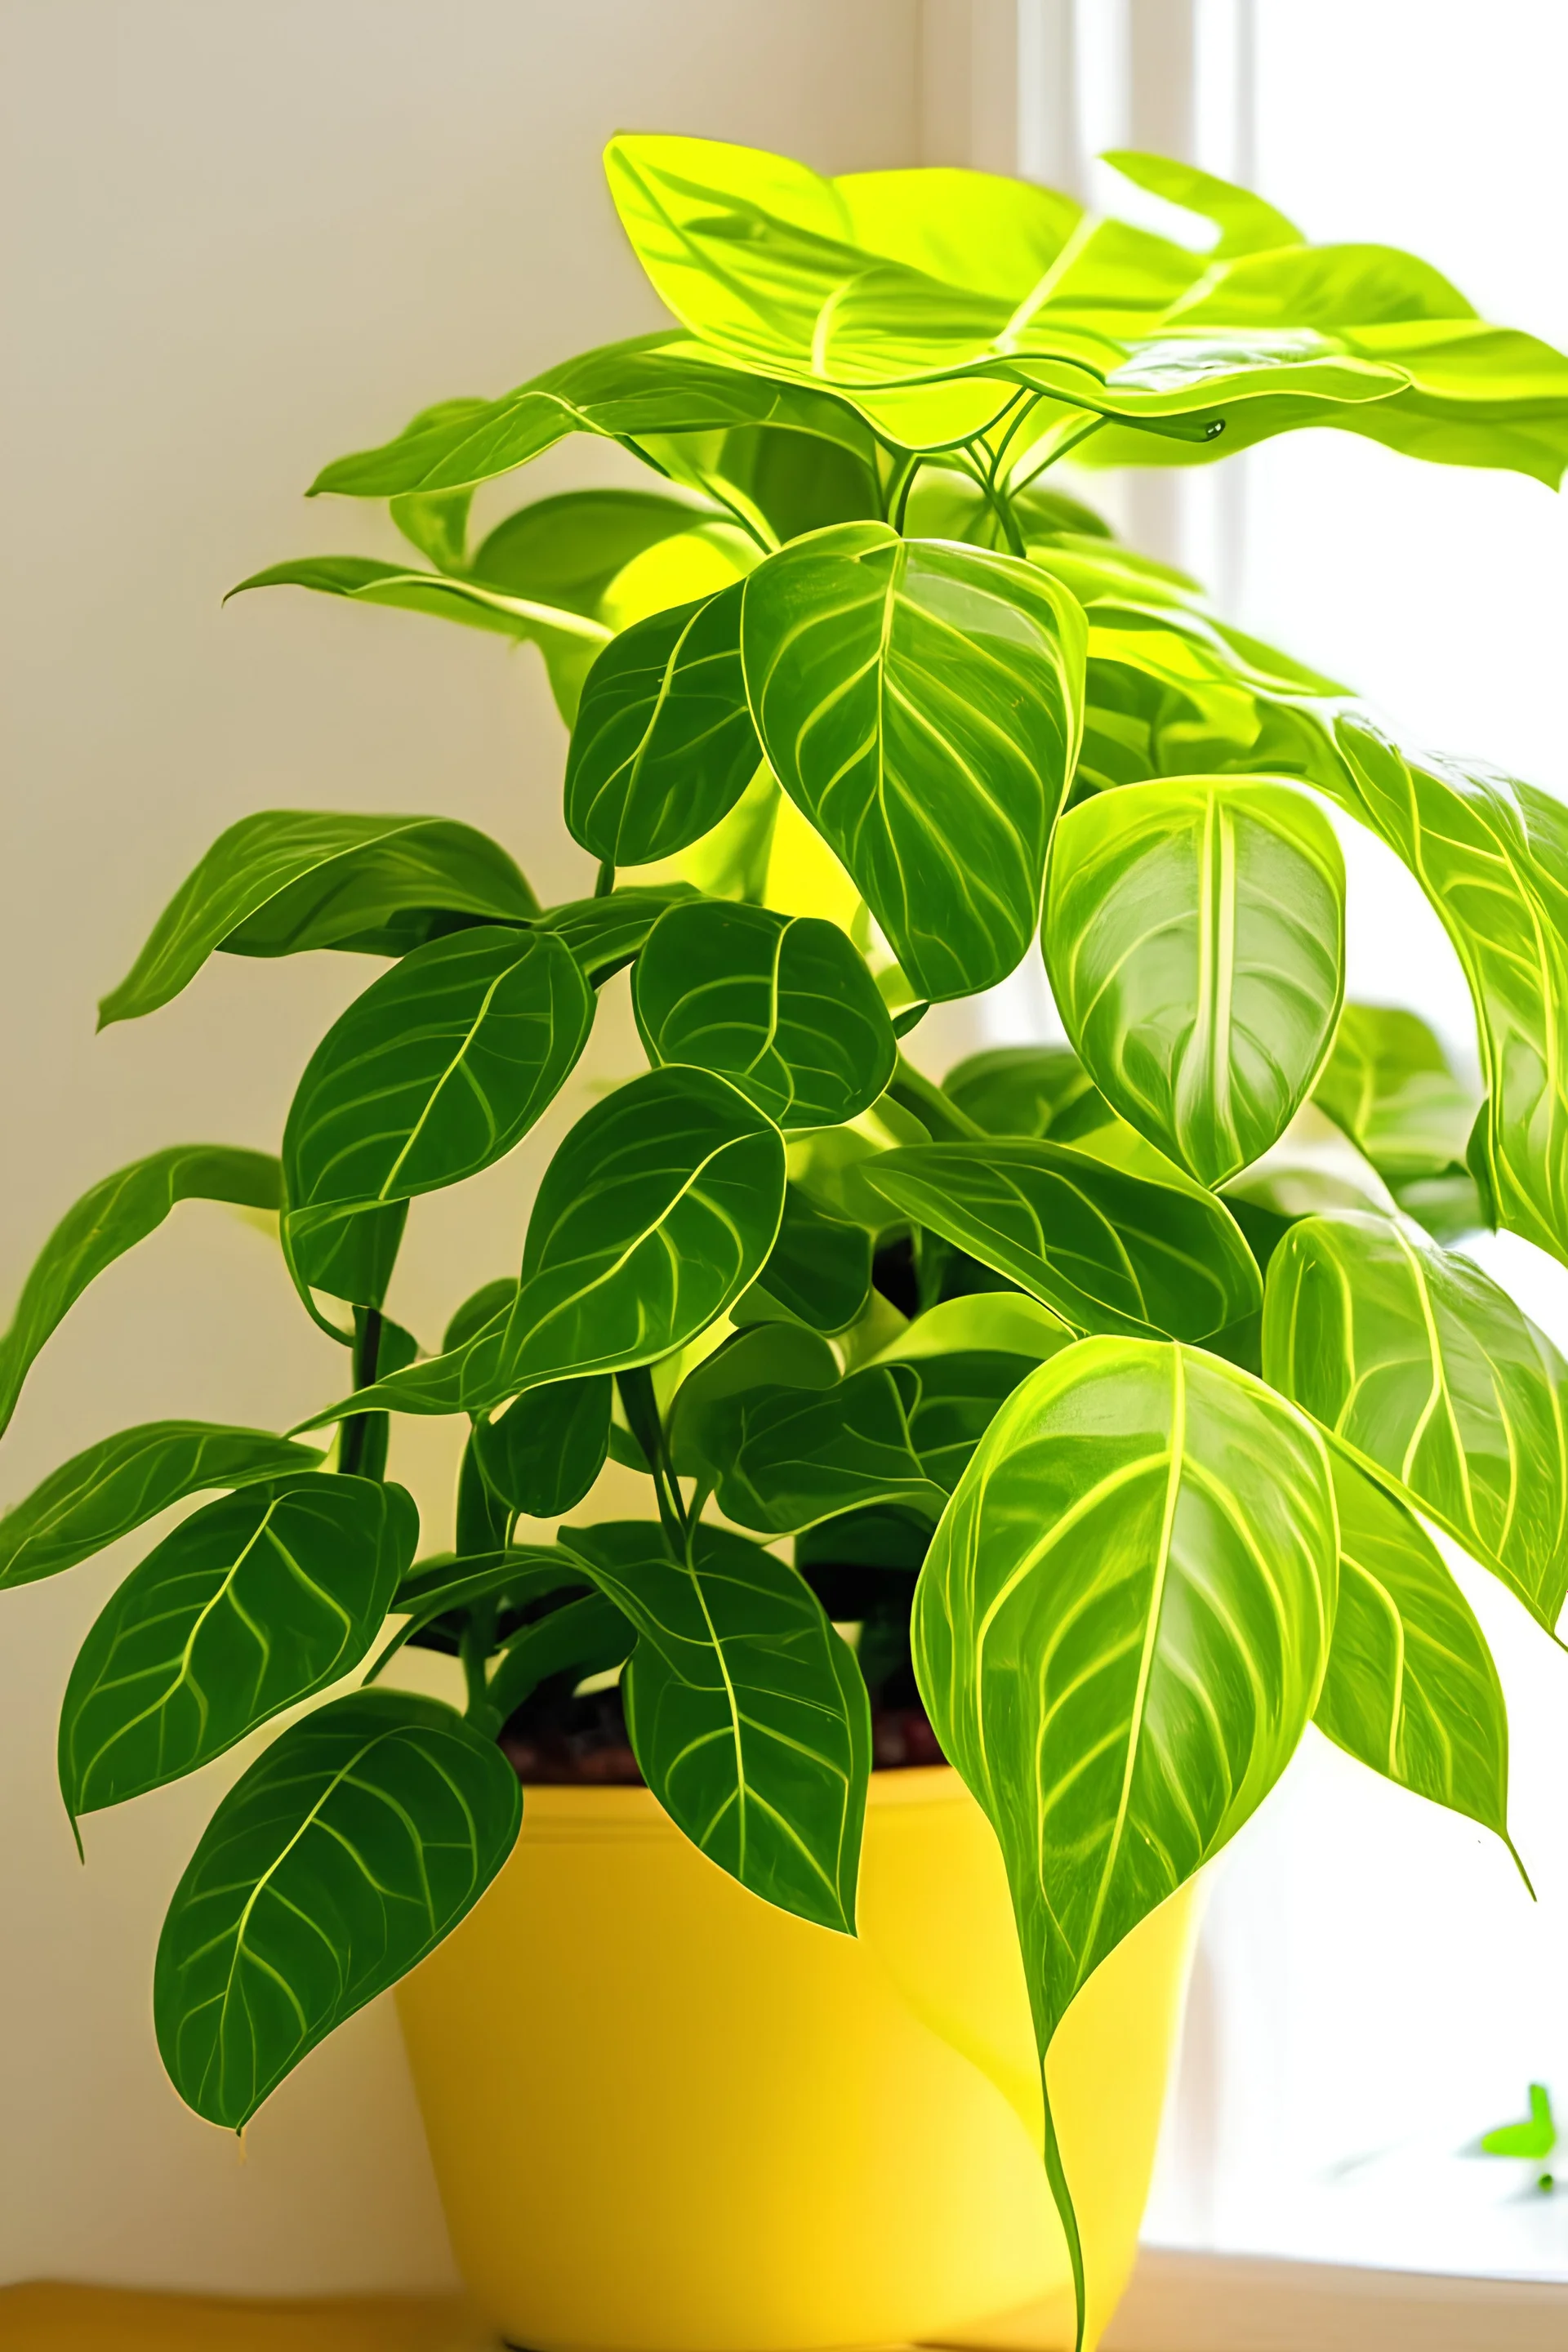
{"x": 1107, "y": 1391}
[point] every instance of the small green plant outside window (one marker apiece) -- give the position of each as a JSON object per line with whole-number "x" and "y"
{"x": 1114, "y": 1423}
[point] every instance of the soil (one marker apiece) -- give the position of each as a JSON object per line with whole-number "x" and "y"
{"x": 596, "y": 1755}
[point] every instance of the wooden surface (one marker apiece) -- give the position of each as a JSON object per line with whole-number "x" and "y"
{"x": 1177, "y": 2303}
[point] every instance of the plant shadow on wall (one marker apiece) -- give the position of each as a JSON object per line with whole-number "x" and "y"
{"x": 1105, "y": 1392}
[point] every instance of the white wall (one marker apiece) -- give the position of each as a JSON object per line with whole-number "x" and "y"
{"x": 241, "y": 239}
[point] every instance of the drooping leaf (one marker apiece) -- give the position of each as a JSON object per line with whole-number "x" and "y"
{"x": 1120, "y": 1634}
{"x": 921, "y": 704}
{"x": 1027, "y": 1090}
{"x": 782, "y": 1005}
{"x": 450, "y": 597}
{"x": 819, "y": 1268}
{"x": 286, "y": 880}
{"x": 586, "y": 1636}
{"x": 748, "y": 1715}
{"x": 1106, "y": 1249}
{"x": 1195, "y": 937}
{"x": 122, "y": 1482}
{"x": 895, "y": 1433}
{"x": 342, "y": 1856}
{"x": 1389, "y": 1085}
{"x": 1411, "y": 1688}
{"x": 567, "y": 550}
{"x": 437, "y": 1070}
{"x": 664, "y": 744}
{"x": 658, "y": 1211}
{"x": 1433, "y": 1377}
{"x": 543, "y": 1453}
{"x": 252, "y": 1603}
{"x": 111, "y": 1218}
{"x": 605, "y": 934}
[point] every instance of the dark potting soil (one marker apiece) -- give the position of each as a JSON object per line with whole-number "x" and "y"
{"x": 597, "y": 1755}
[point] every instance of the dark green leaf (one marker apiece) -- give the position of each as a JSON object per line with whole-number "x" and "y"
{"x": 1195, "y": 937}
{"x": 780, "y": 1355}
{"x": 289, "y": 879}
{"x": 348, "y": 1257}
{"x": 1411, "y": 1688}
{"x": 605, "y": 934}
{"x": 1431, "y": 1376}
{"x": 664, "y": 744}
{"x": 116, "y": 1214}
{"x": 819, "y": 1268}
{"x": 1027, "y": 1090}
{"x": 589, "y": 1635}
{"x": 780, "y": 1005}
{"x": 747, "y": 1714}
{"x": 482, "y": 1307}
{"x": 1388, "y": 1084}
{"x": 1108, "y": 1249}
{"x": 124, "y": 1481}
{"x": 921, "y": 703}
{"x": 250, "y": 1605}
{"x": 344, "y": 1854}
{"x": 543, "y": 1453}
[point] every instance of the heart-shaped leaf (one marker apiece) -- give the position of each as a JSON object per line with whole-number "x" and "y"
{"x": 342, "y": 1856}
{"x": 111, "y": 1218}
{"x": 1194, "y": 937}
{"x": 1432, "y": 1376}
{"x": 658, "y": 1211}
{"x": 543, "y": 1453}
{"x": 102, "y": 1493}
{"x": 921, "y": 704}
{"x": 664, "y": 744}
{"x": 1411, "y": 1688}
{"x": 253, "y": 1603}
{"x": 437, "y": 1070}
{"x": 782, "y": 1005}
{"x": 1389, "y": 1085}
{"x": 1120, "y": 1634}
{"x": 819, "y": 1268}
{"x": 747, "y": 1714}
{"x": 289, "y": 879}
{"x": 1106, "y": 1249}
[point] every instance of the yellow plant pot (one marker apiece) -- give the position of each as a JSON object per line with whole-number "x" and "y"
{"x": 666, "y": 2117}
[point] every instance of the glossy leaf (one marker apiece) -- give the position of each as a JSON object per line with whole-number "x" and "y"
{"x": 437, "y": 1070}
{"x": 1431, "y": 1376}
{"x": 921, "y": 704}
{"x": 1195, "y": 937}
{"x": 1411, "y": 1689}
{"x": 111, "y": 1218}
{"x": 782, "y": 1005}
{"x": 897, "y": 1432}
{"x": 992, "y": 1322}
{"x": 543, "y": 1453}
{"x": 1027, "y": 1090}
{"x": 1120, "y": 1634}
{"x": 348, "y": 1256}
{"x": 1389, "y": 1085}
{"x": 605, "y": 934}
{"x": 350, "y": 1848}
{"x": 568, "y": 551}
{"x": 450, "y": 597}
{"x": 664, "y": 744}
{"x": 286, "y": 880}
{"x": 777, "y": 1355}
{"x": 122, "y": 1482}
{"x": 818, "y": 1269}
{"x": 250, "y": 1605}
{"x": 658, "y": 1211}
{"x": 587, "y": 1637}
{"x": 1246, "y": 224}
{"x": 1107, "y": 1249}
{"x": 747, "y": 1714}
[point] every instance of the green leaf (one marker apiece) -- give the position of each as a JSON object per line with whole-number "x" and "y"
{"x": 348, "y": 1257}
{"x": 1246, "y": 224}
{"x": 567, "y": 550}
{"x": 1433, "y": 1379}
{"x": 748, "y": 1716}
{"x": 1534, "y": 2139}
{"x": 364, "y": 581}
{"x": 1120, "y": 1634}
{"x": 819, "y": 1268}
{"x": 782, "y": 1005}
{"x": 437, "y": 1070}
{"x": 544, "y": 1452}
{"x": 1411, "y": 1689}
{"x": 289, "y": 879}
{"x": 587, "y": 1636}
{"x": 1027, "y": 1090}
{"x": 658, "y": 1211}
{"x": 122, "y": 1482}
{"x": 895, "y": 1433}
{"x": 1194, "y": 937}
{"x": 342, "y": 1856}
{"x": 1108, "y": 1249}
{"x": 605, "y": 934}
{"x": 1388, "y": 1085}
{"x": 994, "y": 1322}
{"x": 250, "y": 1605}
{"x": 664, "y": 744}
{"x": 969, "y": 229}
{"x": 921, "y": 704}
{"x": 784, "y": 1355}
{"x": 111, "y": 1218}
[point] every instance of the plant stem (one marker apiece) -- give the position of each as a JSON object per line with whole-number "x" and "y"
{"x": 605, "y": 880}
{"x": 999, "y": 504}
{"x": 356, "y": 1433}
{"x": 895, "y": 497}
{"x": 643, "y": 1420}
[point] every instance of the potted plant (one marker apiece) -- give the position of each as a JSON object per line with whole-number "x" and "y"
{"x": 1106, "y": 1392}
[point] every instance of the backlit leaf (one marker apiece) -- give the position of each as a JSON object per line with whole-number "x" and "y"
{"x": 567, "y": 550}
{"x": 1388, "y": 1085}
{"x": 819, "y": 1268}
{"x": 342, "y": 1856}
{"x": 1027, "y": 1090}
